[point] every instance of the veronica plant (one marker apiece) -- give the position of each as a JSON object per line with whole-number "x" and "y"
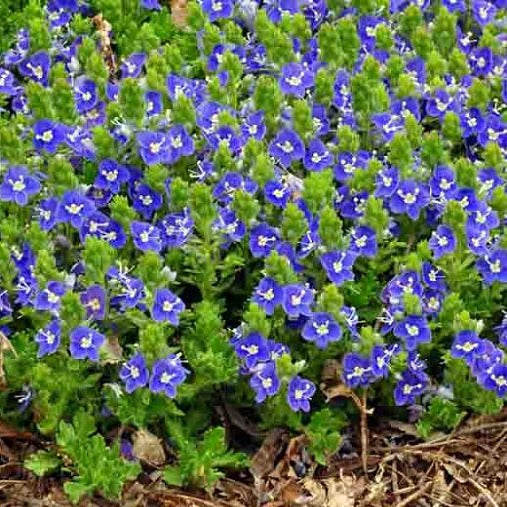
{"x": 228, "y": 207}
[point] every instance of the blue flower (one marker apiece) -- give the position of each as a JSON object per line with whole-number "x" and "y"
{"x": 300, "y": 392}
{"x": 410, "y": 197}
{"x": 439, "y": 104}
{"x": 153, "y": 147}
{"x": 101, "y": 198}
{"x": 85, "y": 343}
{"x": 135, "y": 373}
{"x": 94, "y": 301}
{"x": 380, "y": 359}
{"x": 414, "y": 329}
{"x": 101, "y": 226}
{"x": 74, "y": 208}
{"x": 48, "y": 135}
{"x": 230, "y": 183}
{"x": 111, "y": 175}
{"x": 154, "y": 103}
{"x": 232, "y": 228}
{"x": 85, "y": 94}
{"x": 131, "y": 290}
{"x": 167, "y": 375}
{"x": 5, "y": 305}
{"x": 489, "y": 179}
{"x": 46, "y": 211}
{"x": 386, "y": 182}
{"x": 443, "y": 182}
{"x": 25, "y": 287}
{"x": 493, "y": 266}
{"x": 433, "y": 277}
{"x": 321, "y": 329}
{"x": 287, "y": 147}
{"x": 295, "y": 79}
{"x": 484, "y": 12}
{"x": 179, "y": 143}
{"x": 410, "y": 385}
{"x": 176, "y": 228}
{"x": 48, "y": 338}
{"x": 297, "y": 300}
{"x": 501, "y": 331}
{"x": 217, "y": 9}
{"x": 353, "y": 205}
{"x": 483, "y": 363}
{"x": 252, "y": 349}
{"x": 18, "y": 185}
{"x": 367, "y": 28}
{"x": 317, "y": 157}
{"x": 472, "y": 122}
{"x": 467, "y": 345}
{"x": 406, "y": 106}
{"x": 167, "y": 307}
{"x": 432, "y": 301}
{"x": 454, "y": 5}
{"x": 478, "y": 239}
{"x": 268, "y": 295}
{"x": 483, "y": 217}
{"x": 388, "y": 124}
{"x": 36, "y": 67}
{"x": 132, "y": 66}
{"x": 467, "y": 199}
{"x": 112, "y": 90}
{"x": 151, "y": 5}
{"x": 363, "y": 241}
{"x": 338, "y": 265}
{"x": 146, "y": 201}
{"x": 70, "y": 5}
{"x": 263, "y": 239}
{"x": 146, "y": 236}
{"x": 357, "y": 370}
{"x": 277, "y": 193}
{"x": 349, "y": 163}
{"x": 442, "y": 241}
{"x": 8, "y": 84}
{"x": 225, "y": 136}
{"x": 17, "y": 54}
{"x": 320, "y": 120}
{"x": 264, "y": 381}
{"x": 49, "y": 299}
{"x": 310, "y": 241}
{"x": 496, "y": 380}
{"x": 253, "y": 126}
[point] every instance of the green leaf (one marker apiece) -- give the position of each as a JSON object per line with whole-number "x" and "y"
{"x": 42, "y": 462}
{"x": 76, "y": 490}
{"x": 173, "y": 476}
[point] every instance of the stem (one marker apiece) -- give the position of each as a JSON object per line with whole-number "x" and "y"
{"x": 364, "y": 432}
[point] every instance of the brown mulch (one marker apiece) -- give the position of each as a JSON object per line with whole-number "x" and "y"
{"x": 465, "y": 468}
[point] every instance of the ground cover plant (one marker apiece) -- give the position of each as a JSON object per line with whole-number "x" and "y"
{"x": 278, "y": 205}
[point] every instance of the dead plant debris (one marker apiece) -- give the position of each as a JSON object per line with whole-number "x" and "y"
{"x": 465, "y": 469}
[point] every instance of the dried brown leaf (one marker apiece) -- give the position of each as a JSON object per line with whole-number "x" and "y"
{"x": 406, "y": 428}
{"x": 148, "y": 448}
{"x": 264, "y": 460}
{"x": 113, "y": 351}
{"x": 331, "y": 371}
{"x": 179, "y": 12}
{"x": 334, "y": 492}
{"x": 104, "y": 30}
{"x": 338, "y": 390}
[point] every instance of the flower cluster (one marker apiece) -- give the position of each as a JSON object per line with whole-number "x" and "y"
{"x": 324, "y": 181}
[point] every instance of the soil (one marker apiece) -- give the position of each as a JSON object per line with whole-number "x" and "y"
{"x": 465, "y": 468}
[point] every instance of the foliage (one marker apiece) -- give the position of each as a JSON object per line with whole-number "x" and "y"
{"x": 208, "y": 216}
